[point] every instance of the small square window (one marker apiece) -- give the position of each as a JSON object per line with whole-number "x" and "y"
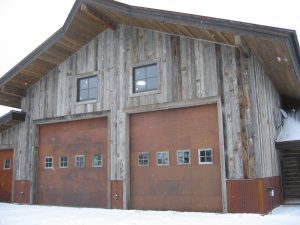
{"x": 63, "y": 163}
{"x": 79, "y": 161}
{"x": 48, "y": 162}
{"x": 87, "y": 88}
{"x": 97, "y": 161}
{"x": 143, "y": 158}
{"x": 6, "y": 164}
{"x": 145, "y": 78}
{"x": 162, "y": 158}
{"x": 183, "y": 157}
{"x": 205, "y": 156}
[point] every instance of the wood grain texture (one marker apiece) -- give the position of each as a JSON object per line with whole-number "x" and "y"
{"x": 190, "y": 69}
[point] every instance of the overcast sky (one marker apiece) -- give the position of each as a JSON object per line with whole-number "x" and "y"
{"x": 25, "y": 24}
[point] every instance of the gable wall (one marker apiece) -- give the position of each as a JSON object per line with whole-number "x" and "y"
{"x": 190, "y": 69}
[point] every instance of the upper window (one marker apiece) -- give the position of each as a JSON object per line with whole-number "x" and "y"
{"x": 6, "y": 164}
{"x": 87, "y": 88}
{"x": 162, "y": 158}
{"x": 183, "y": 157}
{"x": 145, "y": 78}
{"x": 79, "y": 161}
{"x": 143, "y": 158}
{"x": 97, "y": 161}
{"x": 205, "y": 156}
{"x": 63, "y": 162}
{"x": 48, "y": 162}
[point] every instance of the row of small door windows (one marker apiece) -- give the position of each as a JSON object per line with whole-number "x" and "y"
{"x": 79, "y": 161}
{"x": 205, "y": 156}
{"x": 6, "y": 164}
{"x": 144, "y": 78}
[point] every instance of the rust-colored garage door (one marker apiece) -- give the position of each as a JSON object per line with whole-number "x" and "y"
{"x": 6, "y": 174}
{"x": 72, "y": 163}
{"x": 175, "y": 163}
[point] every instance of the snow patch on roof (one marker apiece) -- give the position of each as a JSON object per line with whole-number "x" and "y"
{"x": 291, "y": 127}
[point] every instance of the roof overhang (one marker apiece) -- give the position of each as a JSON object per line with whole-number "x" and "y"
{"x": 288, "y": 145}
{"x": 11, "y": 119}
{"x": 277, "y": 49}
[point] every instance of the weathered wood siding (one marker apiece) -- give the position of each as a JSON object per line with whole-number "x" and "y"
{"x": 189, "y": 69}
{"x": 250, "y": 115}
{"x": 265, "y": 117}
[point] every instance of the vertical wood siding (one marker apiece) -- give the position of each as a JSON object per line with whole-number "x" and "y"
{"x": 266, "y": 115}
{"x": 188, "y": 70}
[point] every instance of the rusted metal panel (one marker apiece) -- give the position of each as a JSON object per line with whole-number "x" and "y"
{"x": 22, "y": 191}
{"x": 73, "y": 186}
{"x": 117, "y": 194}
{"x": 242, "y": 196}
{"x": 190, "y": 187}
{"x": 6, "y": 176}
{"x": 252, "y": 195}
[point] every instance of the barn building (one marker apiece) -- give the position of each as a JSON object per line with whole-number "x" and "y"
{"x": 136, "y": 108}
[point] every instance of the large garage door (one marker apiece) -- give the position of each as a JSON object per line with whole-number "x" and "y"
{"x": 72, "y": 163}
{"x": 6, "y": 173}
{"x": 175, "y": 163}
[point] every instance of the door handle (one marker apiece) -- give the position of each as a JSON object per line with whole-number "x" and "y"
{"x": 116, "y": 196}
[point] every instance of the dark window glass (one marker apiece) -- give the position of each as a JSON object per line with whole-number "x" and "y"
{"x": 183, "y": 157}
{"x": 145, "y": 78}
{"x": 87, "y": 88}
{"x": 79, "y": 161}
{"x": 63, "y": 162}
{"x": 48, "y": 162}
{"x": 162, "y": 158}
{"x": 6, "y": 164}
{"x": 205, "y": 156}
{"x": 97, "y": 161}
{"x": 143, "y": 158}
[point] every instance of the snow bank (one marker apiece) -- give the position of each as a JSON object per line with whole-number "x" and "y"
{"x": 291, "y": 127}
{"x": 12, "y": 214}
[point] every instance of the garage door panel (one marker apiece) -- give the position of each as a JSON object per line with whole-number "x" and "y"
{"x": 74, "y": 186}
{"x": 180, "y": 187}
{"x": 6, "y": 176}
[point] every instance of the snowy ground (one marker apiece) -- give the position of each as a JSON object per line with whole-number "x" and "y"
{"x": 12, "y": 214}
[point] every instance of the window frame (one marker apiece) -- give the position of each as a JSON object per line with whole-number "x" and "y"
{"x": 77, "y": 156}
{"x": 168, "y": 160}
{"x": 45, "y": 162}
{"x": 199, "y": 155}
{"x": 182, "y": 151}
{"x": 101, "y": 164}
{"x": 63, "y": 167}
{"x": 138, "y": 158}
{"x": 4, "y": 164}
{"x": 144, "y": 64}
{"x": 86, "y": 76}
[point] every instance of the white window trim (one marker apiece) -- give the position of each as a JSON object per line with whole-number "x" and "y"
{"x": 48, "y": 157}
{"x": 63, "y": 167}
{"x": 212, "y": 156}
{"x": 4, "y": 168}
{"x": 97, "y": 166}
{"x": 139, "y": 64}
{"x": 168, "y": 158}
{"x": 76, "y": 161}
{"x": 87, "y": 75}
{"x": 184, "y": 150}
{"x": 138, "y": 154}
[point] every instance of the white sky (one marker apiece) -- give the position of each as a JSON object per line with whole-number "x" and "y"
{"x": 25, "y": 24}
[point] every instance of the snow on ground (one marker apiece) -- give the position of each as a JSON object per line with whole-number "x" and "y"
{"x": 13, "y": 214}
